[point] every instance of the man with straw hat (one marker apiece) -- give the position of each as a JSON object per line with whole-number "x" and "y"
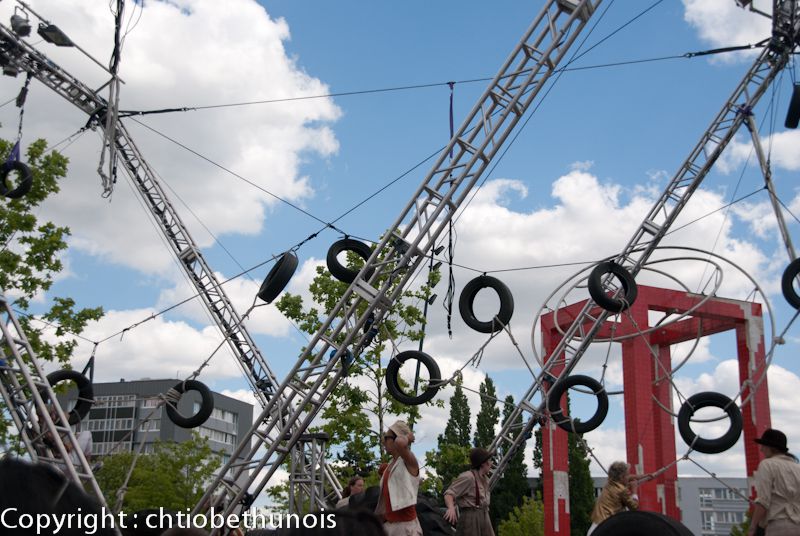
{"x": 777, "y": 503}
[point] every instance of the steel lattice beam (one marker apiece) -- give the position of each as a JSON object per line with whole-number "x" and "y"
{"x": 403, "y": 249}
{"x": 734, "y": 113}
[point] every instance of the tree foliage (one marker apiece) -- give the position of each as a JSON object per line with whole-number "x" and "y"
{"x": 174, "y": 476}
{"x": 524, "y": 520}
{"x": 31, "y": 258}
{"x": 488, "y": 415}
{"x": 581, "y": 486}
{"x": 362, "y": 399}
{"x": 452, "y": 455}
{"x": 513, "y": 485}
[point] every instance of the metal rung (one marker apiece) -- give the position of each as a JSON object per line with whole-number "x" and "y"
{"x": 504, "y": 102}
{"x": 571, "y": 5}
{"x": 433, "y": 193}
{"x": 651, "y": 227}
{"x": 370, "y": 293}
{"x": 472, "y": 150}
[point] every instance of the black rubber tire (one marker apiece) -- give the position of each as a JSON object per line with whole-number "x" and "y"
{"x": 393, "y": 378}
{"x": 85, "y": 392}
{"x": 206, "y": 405}
{"x": 278, "y": 277}
{"x": 598, "y": 293}
{"x": 793, "y": 113}
{"x": 704, "y": 400}
{"x": 576, "y": 425}
{"x": 787, "y": 283}
{"x": 25, "y": 182}
{"x": 639, "y": 523}
{"x": 337, "y": 269}
{"x": 467, "y": 300}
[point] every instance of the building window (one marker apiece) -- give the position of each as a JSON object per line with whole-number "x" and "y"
{"x": 116, "y": 401}
{"x": 217, "y": 435}
{"x": 153, "y": 425}
{"x": 707, "y": 521}
{"x": 151, "y": 402}
{"x": 100, "y": 425}
{"x": 219, "y": 414}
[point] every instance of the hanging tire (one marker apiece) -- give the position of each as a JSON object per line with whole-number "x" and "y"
{"x": 576, "y": 425}
{"x": 639, "y": 523}
{"x": 206, "y": 405}
{"x": 393, "y": 378}
{"x": 704, "y": 400}
{"x": 25, "y": 179}
{"x": 787, "y": 283}
{"x": 278, "y": 277}
{"x": 793, "y": 114}
{"x": 598, "y": 293}
{"x": 85, "y": 392}
{"x": 466, "y": 304}
{"x": 340, "y": 271}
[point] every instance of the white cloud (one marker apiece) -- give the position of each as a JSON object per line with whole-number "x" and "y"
{"x": 186, "y": 53}
{"x": 721, "y": 23}
{"x": 153, "y": 347}
{"x": 258, "y": 317}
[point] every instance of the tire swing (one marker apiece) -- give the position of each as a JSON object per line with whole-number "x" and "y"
{"x": 576, "y": 425}
{"x": 639, "y": 523}
{"x": 340, "y": 271}
{"x": 467, "y": 301}
{"x": 393, "y": 378}
{"x": 278, "y": 277}
{"x": 793, "y": 113}
{"x": 598, "y": 293}
{"x": 206, "y": 404}
{"x": 704, "y": 400}
{"x": 787, "y": 283}
{"x": 85, "y": 392}
{"x": 24, "y": 183}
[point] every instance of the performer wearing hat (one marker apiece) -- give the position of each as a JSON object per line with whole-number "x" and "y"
{"x": 470, "y": 491}
{"x": 777, "y": 504}
{"x": 397, "y": 504}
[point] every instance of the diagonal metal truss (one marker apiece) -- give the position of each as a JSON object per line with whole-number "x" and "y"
{"x": 401, "y": 251}
{"x": 736, "y": 111}
{"x": 14, "y": 51}
{"x": 27, "y": 395}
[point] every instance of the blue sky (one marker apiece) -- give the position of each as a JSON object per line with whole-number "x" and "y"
{"x": 572, "y": 187}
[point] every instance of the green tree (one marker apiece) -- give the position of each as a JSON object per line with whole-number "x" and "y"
{"x": 742, "y": 528}
{"x": 513, "y": 485}
{"x": 362, "y": 398}
{"x": 537, "y": 461}
{"x": 488, "y": 415}
{"x": 31, "y": 258}
{"x": 581, "y": 487}
{"x": 174, "y": 476}
{"x": 524, "y": 520}
{"x": 452, "y": 455}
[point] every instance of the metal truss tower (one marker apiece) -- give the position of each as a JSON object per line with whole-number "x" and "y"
{"x": 14, "y": 51}
{"x": 586, "y": 323}
{"x": 402, "y": 250}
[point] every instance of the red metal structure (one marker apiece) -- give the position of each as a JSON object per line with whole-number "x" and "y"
{"x": 646, "y": 362}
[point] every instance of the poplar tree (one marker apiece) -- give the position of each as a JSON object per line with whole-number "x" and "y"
{"x": 452, "y": 455}
{"x": 488, "y": 415}
{"x": 513, "y": 485}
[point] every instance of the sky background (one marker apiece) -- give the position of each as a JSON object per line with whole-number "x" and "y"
{"x": 572, "y": 187}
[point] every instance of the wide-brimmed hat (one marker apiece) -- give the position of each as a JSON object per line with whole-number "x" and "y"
{"x": 773, "y": 438}
{"x": 478, "y": 457}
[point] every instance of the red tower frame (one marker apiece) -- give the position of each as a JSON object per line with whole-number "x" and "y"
{"x": 649, "y": 430}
